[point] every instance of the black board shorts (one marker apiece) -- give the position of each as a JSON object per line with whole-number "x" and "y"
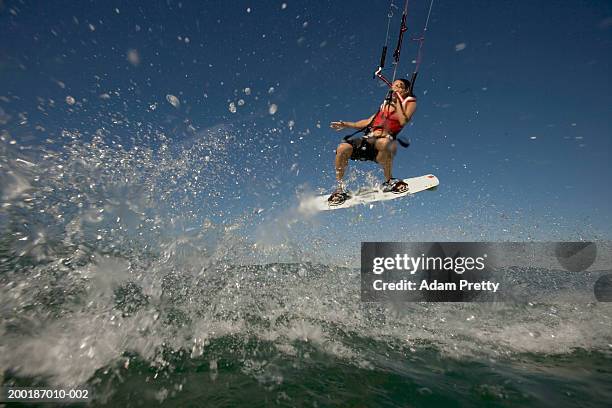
{"x": 362, "y": 150}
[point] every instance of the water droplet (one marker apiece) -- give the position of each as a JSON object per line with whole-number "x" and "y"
{"x": 173, "y": 100}
{"x": 133, "y": 57}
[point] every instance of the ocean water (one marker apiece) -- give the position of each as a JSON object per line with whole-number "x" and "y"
{"x": 115, "y": 274}
{"x": 291, "y": 335}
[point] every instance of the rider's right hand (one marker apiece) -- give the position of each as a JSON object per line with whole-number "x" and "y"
{"x": 337, "y": 125}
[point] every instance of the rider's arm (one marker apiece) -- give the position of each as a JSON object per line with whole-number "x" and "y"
{"x": 359, "y": 124}
{"x": 405, "y": 114}
{"x": 355, "y": 125}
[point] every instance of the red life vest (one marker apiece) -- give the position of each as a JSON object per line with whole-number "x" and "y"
{"x": 388, "y": 120}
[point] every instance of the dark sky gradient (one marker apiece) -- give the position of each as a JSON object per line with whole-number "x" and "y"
{"x": 514, "y": 111}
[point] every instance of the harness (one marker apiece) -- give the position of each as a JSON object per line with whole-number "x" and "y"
{"x": 383, "y": 119}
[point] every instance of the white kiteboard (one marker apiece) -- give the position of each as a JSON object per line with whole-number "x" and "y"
{"x": 370, "y": 195}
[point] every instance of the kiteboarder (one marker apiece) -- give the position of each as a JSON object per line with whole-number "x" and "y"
{"x": 376, "y": 140}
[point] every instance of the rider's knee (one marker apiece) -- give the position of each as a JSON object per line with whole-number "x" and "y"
{"x": 344, "y": 149}
{"x": 386, "y": 146}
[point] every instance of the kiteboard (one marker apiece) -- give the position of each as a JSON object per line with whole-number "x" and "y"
{"x": 371, "y": 195}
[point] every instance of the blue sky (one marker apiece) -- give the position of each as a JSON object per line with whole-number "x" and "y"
{"x": 514, "y": 102}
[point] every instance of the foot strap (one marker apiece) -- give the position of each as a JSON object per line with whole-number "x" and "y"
{"x": 337, "y": 198}
{"x": 399, "y": 187}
